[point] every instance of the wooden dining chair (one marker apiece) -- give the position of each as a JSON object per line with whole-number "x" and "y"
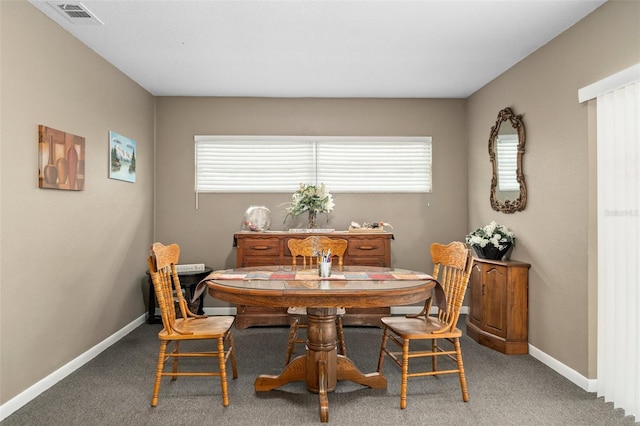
{"x": 452, "y": 267}
{"x": 162, "y": 267}
{"x": 308, "y": 249}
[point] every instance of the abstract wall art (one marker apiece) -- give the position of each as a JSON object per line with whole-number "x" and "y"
{"x": 60, "y": 160}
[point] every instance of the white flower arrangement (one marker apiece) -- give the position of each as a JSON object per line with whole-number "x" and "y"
{"x": 310, "y": 198}
{"x": 493, "y": 234}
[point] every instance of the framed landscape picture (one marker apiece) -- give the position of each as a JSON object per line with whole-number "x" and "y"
{"x": 122, "y": 157}
{"x": 60, "y": 160}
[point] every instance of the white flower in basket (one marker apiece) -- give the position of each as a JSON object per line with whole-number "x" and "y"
{"x": 491, "y": 238}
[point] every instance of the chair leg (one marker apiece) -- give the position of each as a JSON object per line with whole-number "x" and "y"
{"x": 434, "y": 358}
{"x": 293, "y": 335}
{"x": 232, "y": 354}
{"x": 405, "y": 371}
{"x": 463, "y": 380}
{"x": 341, "y": 346}
{"x": 159, "y": 368}
{"x": 176, "y": 350}
{"x": 383, "y": 345}
{"x": 223, "y": 371}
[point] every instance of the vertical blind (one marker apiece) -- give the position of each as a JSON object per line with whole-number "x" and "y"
{"x": 343, "y": 164}
{"x": 618, "y": 171}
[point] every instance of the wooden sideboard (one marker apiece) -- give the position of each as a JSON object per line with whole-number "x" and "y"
{"x": 271, "y": 248}
{"x": 499, "y": 305}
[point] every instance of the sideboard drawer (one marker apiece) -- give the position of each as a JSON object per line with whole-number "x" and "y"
{"x": 366, "y": 247}
{"x": 261, "y": 247}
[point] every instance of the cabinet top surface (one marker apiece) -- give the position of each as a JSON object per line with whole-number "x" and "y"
{"x": 341, "y": 234}
{"x": 308, "y": 234}
{"x": 503, "y": 262}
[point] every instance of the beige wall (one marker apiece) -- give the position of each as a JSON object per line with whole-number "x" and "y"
{"x": 553, "y": 232}
{"x": 71, "y": 262}
{"x": 206, "y": 234}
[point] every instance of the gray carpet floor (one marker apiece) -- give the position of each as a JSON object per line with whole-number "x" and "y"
{"x": 115, "y": 389}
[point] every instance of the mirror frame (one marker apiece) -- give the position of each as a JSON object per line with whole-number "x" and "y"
{"x": 508, "y": 206}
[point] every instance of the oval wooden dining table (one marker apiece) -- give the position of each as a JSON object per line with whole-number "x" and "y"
{"x": 353, "y": 287}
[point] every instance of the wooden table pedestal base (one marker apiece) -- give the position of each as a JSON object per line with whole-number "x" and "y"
{"x": 321, "y": 366}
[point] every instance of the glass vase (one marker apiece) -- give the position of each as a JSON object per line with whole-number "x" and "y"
{"x": 313, "y": 220}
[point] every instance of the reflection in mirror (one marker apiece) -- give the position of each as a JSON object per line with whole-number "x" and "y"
{"x": 506, "y": 149}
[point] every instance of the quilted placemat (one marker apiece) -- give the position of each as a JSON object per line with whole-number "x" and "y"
{"x": 312, "y": 274}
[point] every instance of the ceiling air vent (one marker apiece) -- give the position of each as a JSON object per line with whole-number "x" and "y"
{"x": 76, "y": 12}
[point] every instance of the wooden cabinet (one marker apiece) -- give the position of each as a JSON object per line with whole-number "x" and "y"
{"x": 271, "y": 248}
{"x": 499, "y": 306}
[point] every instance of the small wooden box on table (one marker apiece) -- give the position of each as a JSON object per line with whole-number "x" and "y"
{"x": 499, "y": 305}
{"x": 271, "y": 248}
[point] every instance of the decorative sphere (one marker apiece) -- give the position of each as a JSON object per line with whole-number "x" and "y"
{"x": 257, "y": 218}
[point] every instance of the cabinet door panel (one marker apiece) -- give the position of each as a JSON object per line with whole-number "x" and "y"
{"x": 495, "y": 290}
{"x": 498, "y": 305}
{"x": 475, "y": 299}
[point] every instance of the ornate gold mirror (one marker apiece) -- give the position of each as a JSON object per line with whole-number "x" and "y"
{"x": 506, "y": 149}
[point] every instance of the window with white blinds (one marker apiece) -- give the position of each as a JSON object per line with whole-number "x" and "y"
{"x": 507, "y": 156}
{"x": 343, "y": 164}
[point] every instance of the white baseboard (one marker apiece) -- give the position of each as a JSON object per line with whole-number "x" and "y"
{"x": 36, "y": 389}
{"x": 572, "y": 375}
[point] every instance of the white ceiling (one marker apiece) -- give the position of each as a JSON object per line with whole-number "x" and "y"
{"x": 304, "y": 48}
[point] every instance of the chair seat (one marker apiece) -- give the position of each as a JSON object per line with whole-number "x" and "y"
{"x": 301, "y": 310}
{"x": 199, "y": 328}
{"x": 419, "y": 328}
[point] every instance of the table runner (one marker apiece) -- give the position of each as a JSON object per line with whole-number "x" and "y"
{"x": 312, "y": 275}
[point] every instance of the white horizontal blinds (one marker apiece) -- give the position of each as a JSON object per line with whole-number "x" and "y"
{"x": 228, "y": 164}
{"x": 507, "y": 156}
{"x": 375, "y": 165}
{"x": 343, "y": 164}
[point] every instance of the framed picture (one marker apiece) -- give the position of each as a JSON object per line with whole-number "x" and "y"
{"x": 60, "y": 160}
{"x": 122, "y": 157}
